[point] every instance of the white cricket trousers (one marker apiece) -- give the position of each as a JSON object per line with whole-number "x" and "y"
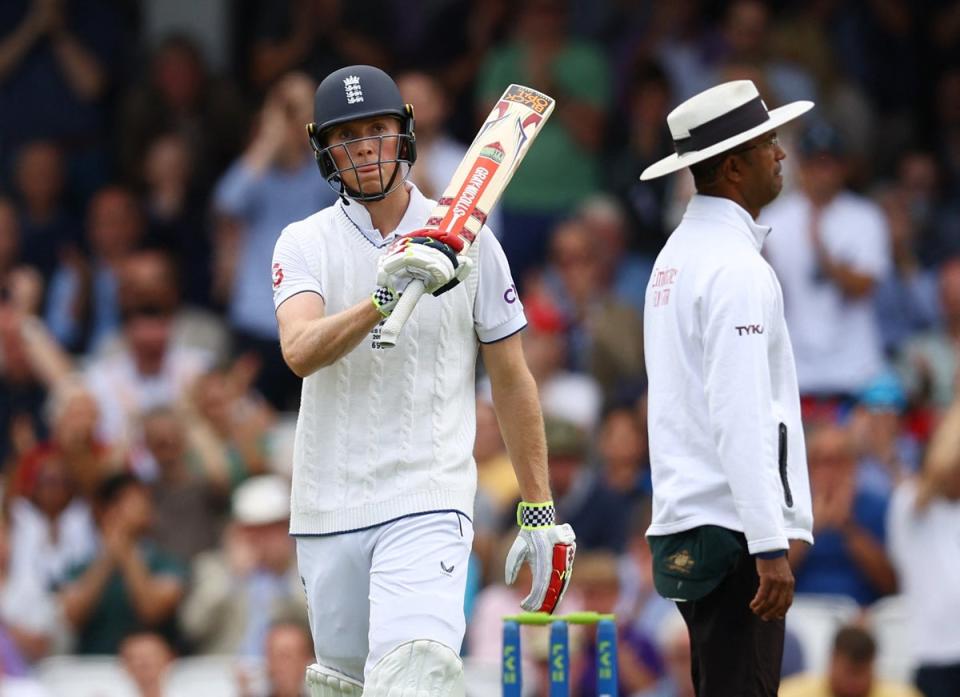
{"x": 371, "y": 590}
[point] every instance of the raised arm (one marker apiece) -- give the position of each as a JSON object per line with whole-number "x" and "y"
{"x": 84, "y": 73}
{"x": 310, "y": 340}
{"x": 154, "y": 596}
{"x": 16, "y": 44}
{"x": 47, "y": 358}
{"x": 870, "y": 556}
{"x": 80, "y": 597}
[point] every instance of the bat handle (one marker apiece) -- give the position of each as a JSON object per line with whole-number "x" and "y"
{"x": 401, "y": 313}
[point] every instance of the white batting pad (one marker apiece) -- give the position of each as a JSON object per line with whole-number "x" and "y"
{"x": 326, "y": 682}
{"x": 417, "y": 669}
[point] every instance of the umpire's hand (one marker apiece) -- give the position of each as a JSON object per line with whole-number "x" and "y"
{"x": 775, "y": 594}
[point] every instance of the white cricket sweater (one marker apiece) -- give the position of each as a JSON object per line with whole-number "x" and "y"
{"x": 726, "y": 441}
{"x": 386, "y": 433}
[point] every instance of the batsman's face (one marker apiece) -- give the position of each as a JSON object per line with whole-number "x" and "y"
{"x": 365, "y": 151}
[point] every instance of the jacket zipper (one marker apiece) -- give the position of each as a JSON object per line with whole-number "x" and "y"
{"x": 782, "y": 461}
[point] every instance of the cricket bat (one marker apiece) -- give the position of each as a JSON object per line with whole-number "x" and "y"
{"x": 483, "y": 174}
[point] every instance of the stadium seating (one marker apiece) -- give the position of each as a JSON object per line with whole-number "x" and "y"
{"x": 85, "y": 676}
{"x": 104, "y": 676}
{"x": 888, "y": 621}
{"x": 814, "y": 619}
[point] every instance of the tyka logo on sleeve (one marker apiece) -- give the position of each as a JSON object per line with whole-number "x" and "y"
{"x": 748, "y": 329}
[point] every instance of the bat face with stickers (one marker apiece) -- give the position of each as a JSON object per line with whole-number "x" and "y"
{"x": 483, "y": 175}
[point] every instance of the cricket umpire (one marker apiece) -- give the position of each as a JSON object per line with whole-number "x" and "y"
{"x": 730, "y": 486}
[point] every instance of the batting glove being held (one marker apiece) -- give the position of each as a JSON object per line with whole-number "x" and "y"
{"x": 549, "y": 549}
{"x": 425, "y": 258}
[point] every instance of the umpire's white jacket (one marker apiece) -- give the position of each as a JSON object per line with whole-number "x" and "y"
{"x": 726, "y": 441}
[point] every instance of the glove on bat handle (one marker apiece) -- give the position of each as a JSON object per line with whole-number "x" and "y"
{"x": 401, "y": 313}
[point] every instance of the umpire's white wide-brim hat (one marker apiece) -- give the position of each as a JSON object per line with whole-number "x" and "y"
{"x": 717, "y": 120}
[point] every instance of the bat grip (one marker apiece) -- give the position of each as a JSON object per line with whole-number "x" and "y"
{"x": 401, "y": 313}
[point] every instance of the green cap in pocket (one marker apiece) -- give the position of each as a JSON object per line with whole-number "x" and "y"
{"x": 688, "y": 565}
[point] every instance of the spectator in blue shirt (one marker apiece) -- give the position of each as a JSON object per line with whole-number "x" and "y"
{"x": 83, "y": 307}
{"x": 47, "y": 226}
{"x": 274, "y": 183}
{"x": 849, "y": 556}
{"x": 582, "y": 497}
{"x": 58, "y": 62}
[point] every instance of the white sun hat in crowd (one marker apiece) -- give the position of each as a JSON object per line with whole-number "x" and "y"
{"x": 717, "y": 120}
{"x": 262, "y": 500}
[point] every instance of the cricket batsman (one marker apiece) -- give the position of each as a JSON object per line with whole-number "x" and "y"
{"x": 383, "y": 474}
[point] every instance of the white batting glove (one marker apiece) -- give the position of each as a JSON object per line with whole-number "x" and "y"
{"x": 425, "y": 258}
{"x": 549, "y": 549}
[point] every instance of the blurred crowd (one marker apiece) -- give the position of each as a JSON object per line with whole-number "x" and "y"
{"x": 150, "y": 155}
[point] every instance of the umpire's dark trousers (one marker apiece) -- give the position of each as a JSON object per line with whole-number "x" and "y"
{"x": 734, "y": 653}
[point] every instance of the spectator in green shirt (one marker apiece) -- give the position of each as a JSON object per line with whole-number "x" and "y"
{"x": 130, "y": 585}
{"x": 563, "y": 167}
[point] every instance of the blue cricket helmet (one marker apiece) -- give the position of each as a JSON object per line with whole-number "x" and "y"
{"x": 359, "y": 92}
